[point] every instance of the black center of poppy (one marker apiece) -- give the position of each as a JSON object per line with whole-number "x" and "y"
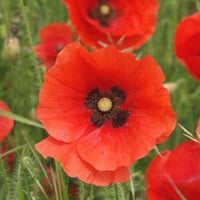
{"x": 103, "y": 12}
{"x": 106, "y": 106}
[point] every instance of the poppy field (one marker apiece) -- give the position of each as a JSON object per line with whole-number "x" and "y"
{"x": 100, "y": 100}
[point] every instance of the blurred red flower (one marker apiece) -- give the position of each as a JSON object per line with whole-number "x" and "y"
{"x": 5, "y": 123}
{"x": 100, "y": 20}
{"x": 103, "y": 111}
{"x": 48, "y": 182}
{"x": 187, "y": 44}
{"x": 73, "y": 191}
{"x": 175, "y": 174}
{"x": 53, "y": 38}
{"x": 9, "y": 159}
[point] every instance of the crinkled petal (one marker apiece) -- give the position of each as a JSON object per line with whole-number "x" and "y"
{"x": 61, "y": 107}
{"x": 74, "y": 166}
{"x": 131, "y": 142}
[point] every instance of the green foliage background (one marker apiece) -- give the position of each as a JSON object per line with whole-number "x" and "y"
{"x": 19, "y": 86}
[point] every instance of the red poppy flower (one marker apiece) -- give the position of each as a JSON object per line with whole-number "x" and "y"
{"x": 5, "y": 123}
{"x": 175, "y": 174}
{"x": 187, "y": 44}
{"x": 95, "y": 108}
{"x": 53, "y": 38}
{"x": 99, "y": 20}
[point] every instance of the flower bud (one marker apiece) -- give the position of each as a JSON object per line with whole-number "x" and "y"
{"x": 171, "y": 87}
{"x": 11, "y": 48}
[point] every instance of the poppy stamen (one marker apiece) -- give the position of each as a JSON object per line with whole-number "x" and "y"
{"x": 104, "y": 104}
{"x": 102, "y": 13}
{"x": 104, "y": 9}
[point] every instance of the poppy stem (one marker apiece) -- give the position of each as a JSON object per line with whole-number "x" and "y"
{"x": 38, "y": 69}
{"x": 198, "y": 5}
{"x": 6, "y": 14}
{"x": 81, "y": 190}
{"x": 12, "y": 151}
{"x": 91, "y": 192}
{"x": 120, "y": 191}
{"x": 132, "y": 186}
{"x": 107, "y": 193}
{"x": 30, "y": 146}
{"x": 27, "y": 162}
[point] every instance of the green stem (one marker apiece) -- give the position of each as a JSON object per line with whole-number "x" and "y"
{"x": 91, "y": 192}
{"x": 28, "y": 166}
{"x": 28, "y": 142}
{"x": 6, "y": 15}
{"x": 28, "y": 30}
{"x": 132, "y": 186}
{"x": 11, "y": 151}
{"x": 81, "y": 190}
{"x": 121, "y": 191}
{"x": 106, "y": 193}
{"x": 19, "y": 119}
{"x": 198, "y": 5}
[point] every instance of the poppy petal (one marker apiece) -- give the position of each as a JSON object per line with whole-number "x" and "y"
{"x": 126, "y": 141}
{"x": 187, "y": 43}
{"x": 5, "y": 124}
{"x": 142, "y": 98}
{"x": 74, "y": 166}
{"x": 187, "y": 178}
{"x": 160, "y": 189}
{"x": 62, "y": 108}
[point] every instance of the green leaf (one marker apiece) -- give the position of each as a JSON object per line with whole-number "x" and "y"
{"x": 19, "y": 118}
